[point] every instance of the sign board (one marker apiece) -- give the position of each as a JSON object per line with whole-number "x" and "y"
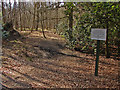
{"x": 98, "y": 34}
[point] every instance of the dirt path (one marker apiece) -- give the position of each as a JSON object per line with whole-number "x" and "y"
{"x": 36, "y": 62}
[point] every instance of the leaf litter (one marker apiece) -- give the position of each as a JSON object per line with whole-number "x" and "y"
{"x": 35, "y": 62}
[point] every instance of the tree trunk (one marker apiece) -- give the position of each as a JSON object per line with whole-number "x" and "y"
{"x": 42, "y": 19}
{"x": 57, "y": 17}
{"x": 24, "y": 19}
{"x": 3, "y": 13}
{"x": 15, "y": 15}
{"x": 33, "y": 25}
{"x": 49, "y": 17}
{"x": 9, "y": 11}
{"x": 107, "y": 40}
{"x": 71, "y": 22}
{"x": 38, "y": 7}
{"x": 118, "y": 44}
{"x": 20, "y": 16}
{"x": 46, "y": 17}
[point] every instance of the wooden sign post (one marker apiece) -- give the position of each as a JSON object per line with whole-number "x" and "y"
{"x": 98, "y": 34}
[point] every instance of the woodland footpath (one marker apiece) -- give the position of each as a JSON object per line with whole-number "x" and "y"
{"x": 32, "y": 61}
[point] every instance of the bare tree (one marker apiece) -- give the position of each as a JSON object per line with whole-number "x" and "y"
{"x": 9, "y": 10}
{"x": 15, "y": 20}
{"x": 42, "y": 18}
{"x": 33, "y": 25}
{"x": 38, "y": 8}
{"x": 20, "y": 16}
{"x": 46, "y": 16}
{"x": 49, "y": 16}
{"x": 3, "y": 13}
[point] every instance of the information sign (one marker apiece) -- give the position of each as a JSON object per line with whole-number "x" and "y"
{"x": 98, "y": 34}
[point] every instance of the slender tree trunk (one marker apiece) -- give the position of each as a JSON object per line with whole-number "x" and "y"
{"x": 24, "y": 14}
{"x": 42, "y": 19}
{"x": 20, "y": 16}
{"x": 107, "y": 40}
{"x": 3, "y": 13}
{"x": 15, "y": 15}
{"x": 34, "y": 17}
{"x": 9, "y": 11}
{"x": 57, "y": 16}
{"x": 70, "y": 23}
{"x": 38, "y": 7}
{"x": 118, "y": 44}
{"x": 57, "y": 13}
{"x": 49, "y": 16}
{"x": 46, "y": 17}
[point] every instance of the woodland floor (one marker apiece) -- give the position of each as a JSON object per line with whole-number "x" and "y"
{"x": 34, "y": 62}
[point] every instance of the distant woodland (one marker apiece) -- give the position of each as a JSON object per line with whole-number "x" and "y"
{"x": 71, "y": 20}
